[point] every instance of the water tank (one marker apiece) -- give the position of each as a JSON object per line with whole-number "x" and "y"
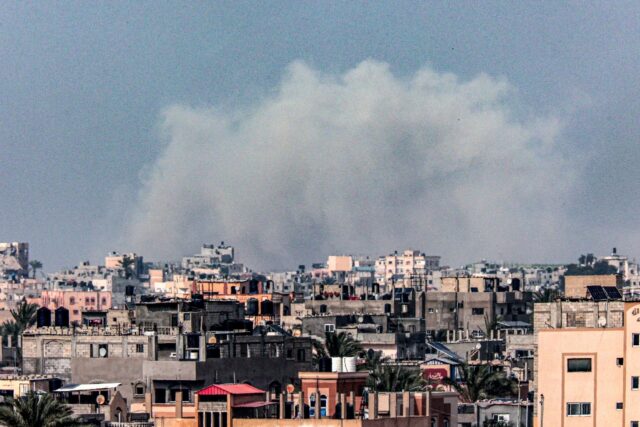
{"x": 62, "y": 317}
{"x": 252, "y": 307}
{"x": 43, "y": 317}
{"x": 343, "y": 364}
{"x": 266, "y": 308}
{"x": 324, "y": 364}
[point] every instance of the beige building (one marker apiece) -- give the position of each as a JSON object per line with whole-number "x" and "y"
{"x": 469, "y": 284}
{"x": 404, "y": 267}
{"x": 576, "y": 286}
{"x": 588, "y": 375}
{"x": 339, "y": 263}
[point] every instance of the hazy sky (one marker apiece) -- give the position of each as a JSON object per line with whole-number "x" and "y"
{"x": 501, "y": 130}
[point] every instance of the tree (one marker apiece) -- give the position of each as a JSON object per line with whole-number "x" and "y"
{"x": 491, "y": 324}
{"x": 480, "y": 382}
{"x": 341, "y": 345}
{"x": 35, "y": 266}
{"x": 126, "y": 263}
{"x": 546, "y": 295}
{"x": 24, "y": 315}
{"x": 37, "y": 410}
{"x": 395, "y": 378}
{"x": 336, "y": 345}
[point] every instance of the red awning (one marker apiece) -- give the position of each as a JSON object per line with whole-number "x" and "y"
{"x": 254, "y": 404}
{"x": 224, "y": 389}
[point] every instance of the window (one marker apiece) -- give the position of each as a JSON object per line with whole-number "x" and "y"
{"x": 634, "y": 424}
{"x": 301, "y": 356}
{"x": 430, "y": 310}
{"x": 620, "y": 361}
{"x": 139, "y": 390}
{"x": 635, "y": 383}
{"x": 579, "y": 365}
{"x": 139, "y": 348}
{"x": 187, "y": 316}
{"x": 619, "y": 405}
{"x": 477, "y": 311}
{"x": 328, "y": 327}
{"x": 635, "y": 340}
{"x": 578, "y": 409}
{"x": 501, "y": 418}
{"x": 289, "y": 353}
{"x": 72, "y": 300}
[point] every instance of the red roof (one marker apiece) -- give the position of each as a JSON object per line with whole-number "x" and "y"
{"x": 224, "y": 389}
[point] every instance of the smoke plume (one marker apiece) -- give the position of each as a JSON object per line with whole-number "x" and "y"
{"x": 363, "y": 162}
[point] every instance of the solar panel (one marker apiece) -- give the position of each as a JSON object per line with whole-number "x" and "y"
{"x": 597, "y": 293}
{"x": 612, "y": 292}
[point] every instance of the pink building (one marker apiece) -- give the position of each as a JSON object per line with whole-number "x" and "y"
{"x": 74, "y": 301}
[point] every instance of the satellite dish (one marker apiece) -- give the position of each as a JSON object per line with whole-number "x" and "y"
{"x": 297, "y": 333}
{"x": 102, "y": 352}
{"x": 360, "y": 319}
{"x": 100, "y": 399}
{"x": 602, "y": 321}
{"x": 478, "y": 346}
{"x": 290, "y": 388}
{"x": 212, "y": 340}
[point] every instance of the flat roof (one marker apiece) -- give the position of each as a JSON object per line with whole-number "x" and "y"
{"x": 87, "y": 387}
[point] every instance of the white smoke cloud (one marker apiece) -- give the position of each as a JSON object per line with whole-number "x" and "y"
{"x": 363, "y": 162}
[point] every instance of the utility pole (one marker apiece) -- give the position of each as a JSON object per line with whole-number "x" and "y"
{"x": 542, "y": 410}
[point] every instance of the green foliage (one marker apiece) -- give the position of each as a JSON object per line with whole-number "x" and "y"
{"x": 480, "y": 382}
{"x": 37, "y": 410}
{"x": 395, "y": 378}
{"x": 598, "y": 268}
{"x": 546, "y": 295}
{"x": 126, "y": 263}
{"x": 336, "y": 345}
{"x": 384, "y": 376}
{"x": 35, "y": 266}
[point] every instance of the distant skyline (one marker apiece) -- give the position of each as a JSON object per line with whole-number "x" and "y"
{"x": 292, "y": 130}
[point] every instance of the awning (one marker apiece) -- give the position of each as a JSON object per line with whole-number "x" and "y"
{"x": 254, "y": 404}
{"x": 86, "y": 387}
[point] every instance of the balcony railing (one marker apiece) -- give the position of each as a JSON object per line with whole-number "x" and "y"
{"x": 130, "y": 424}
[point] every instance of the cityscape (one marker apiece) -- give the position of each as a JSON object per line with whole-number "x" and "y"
{"x": 207, "y": 341}
{"x": 319, "y": 213}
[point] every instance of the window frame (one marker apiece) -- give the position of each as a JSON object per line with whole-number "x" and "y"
{"x": 581, "y": 406}
{"x": 579, "y": 360}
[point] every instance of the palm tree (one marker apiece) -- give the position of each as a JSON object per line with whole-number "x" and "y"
{"x": 24, "y": 315}
{"x": 395, "y": 378}
{"x": 546, "y": 295}
{"x": 341, "y": 345}
{"x": 126, "y": 263}
{"x": 491, "y": 324}
{"x": 335, "y": 345}
{"x": 35, "y": 265}
{"x": 37, "y": 410}
{"x": 479, "y": 382}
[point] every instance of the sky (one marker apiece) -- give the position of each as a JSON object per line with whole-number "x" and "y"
{"x": 294, "y": 130}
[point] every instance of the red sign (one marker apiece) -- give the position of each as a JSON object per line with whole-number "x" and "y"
{"x": 435, "y": 375}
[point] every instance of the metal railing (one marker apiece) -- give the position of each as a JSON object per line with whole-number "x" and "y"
{"x": 130, "y": 424}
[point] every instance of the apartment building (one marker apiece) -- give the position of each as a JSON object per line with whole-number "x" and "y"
{"x": 588, "y": 364}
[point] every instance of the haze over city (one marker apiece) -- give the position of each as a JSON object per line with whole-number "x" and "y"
{"x": 300, "y": 129}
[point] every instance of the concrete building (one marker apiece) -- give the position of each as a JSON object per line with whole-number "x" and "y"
{"x": 14, "y": 259}
{"x": 576, "y": 286}
{"x": 497, "y": 412}
{"x": 76, "y": 302}
{"x": 471, "y": 311}
{"x": 588, "y": 374}
{"x": 404, "y": 267}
